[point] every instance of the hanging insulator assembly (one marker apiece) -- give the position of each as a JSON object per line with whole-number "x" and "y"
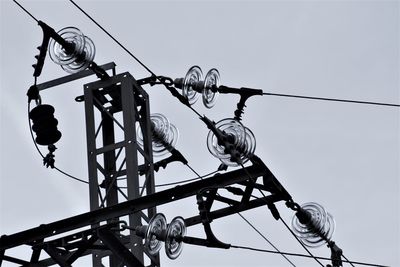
{"x": 236, "y": 137}
{"x": 78, "y": 56}
{"x": 313, "y": 225}
{"x": 164, "y": 134}
{"x": 44, "y": 125}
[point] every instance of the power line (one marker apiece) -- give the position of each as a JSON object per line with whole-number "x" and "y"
{"x": 113, "y": 38}
{"x": 305, "y": 256}
{"x": 251, "y": 225}
{"x": 334, "y": 99}
{"x": 262, "y": 193}
{"x": 271, "y": 94}
{"x": 266, "y": 239}
{"x": 347, "y": 260}
{"x": 178, "y": 182}
{"x": 26, "y": 11}
{"x": 308, "y": 251}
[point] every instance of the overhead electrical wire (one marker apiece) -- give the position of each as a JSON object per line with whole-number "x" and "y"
{"x": 262, "y": 193}
{"x": 333, "y": 99}
{"x": 27, "y": 12}
{"x": 112, "y": 37}
{"x": 277, "y": 251}
{"x": 177, "y": 182}
{"x": 270, "y": 94}
{"x": 298, "y": 240}
{"x": 306, "y": 256}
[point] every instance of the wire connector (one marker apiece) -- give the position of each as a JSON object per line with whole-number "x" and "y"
{"x": 49, "y": 160}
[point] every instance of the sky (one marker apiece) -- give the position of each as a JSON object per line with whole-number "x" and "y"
{"x": 343, "y": 156}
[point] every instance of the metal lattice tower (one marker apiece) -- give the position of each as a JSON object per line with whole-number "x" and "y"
{"x": 121, "y": 105}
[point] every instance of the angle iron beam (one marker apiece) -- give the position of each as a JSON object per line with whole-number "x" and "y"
{"x": 118, "y": 249}
{"x": 73, "y": 77}
{"x": 15, "y": 260}
{"x": 129, "y": 207}
{"x": 56, "y": 256}
{"x": 235, "y": 209}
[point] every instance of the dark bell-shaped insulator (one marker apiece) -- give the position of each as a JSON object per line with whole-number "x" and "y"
{"x": 44, "y": 125}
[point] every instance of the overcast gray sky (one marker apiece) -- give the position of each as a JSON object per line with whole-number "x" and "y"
{"x": 344, "y": 156}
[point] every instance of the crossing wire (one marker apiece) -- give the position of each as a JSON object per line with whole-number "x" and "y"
{"x": 271, "y": 94}
{"x": 307, "y": 256}
{"x": 334, "y": 99}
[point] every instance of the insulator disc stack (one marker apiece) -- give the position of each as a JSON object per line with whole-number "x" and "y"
{"x": 164, "y": 134}
{"x": 211, "y": 81}
{"x": 313, "y": 225}
{"x": 76, "y": 59}
{"x": 174, "y": 238}
{"x": 44, "y": 125}
{"x": 191, "y": 80}
{"x": 240, "y": 138}
{"x": 157, "y": 226}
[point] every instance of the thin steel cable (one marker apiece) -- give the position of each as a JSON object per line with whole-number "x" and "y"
{"x": 262, "y": 193}
{"x": 306, "y": 256}
{"x": 266, "y": 239}
{"x": 347, "y": 260}
{"x": 26, "y": 11}
{"x": 334, "y": 99}
{"x": 252, "y": 226}
{"x": 178, "y": 182}
{"x": 113, "y": 38}
{"x": 298, "y": 240}
{"x": 41, "y": 154}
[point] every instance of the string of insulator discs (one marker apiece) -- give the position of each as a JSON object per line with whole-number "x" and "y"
{"x": 313, "y": 225}
{"x": 164, "y": 134}
{"x": 157, "y": 231}
{"x": 193, "y": 83}
{"x": 235, "y": 135}
{"x": 79, "y": 56}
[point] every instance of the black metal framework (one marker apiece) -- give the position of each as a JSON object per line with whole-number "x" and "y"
{"x": 240, "y": 184}
{"x": 122, "y": 189}
{"x": 122, "y": 105}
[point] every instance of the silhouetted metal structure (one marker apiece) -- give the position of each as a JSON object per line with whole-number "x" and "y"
{"x": 114, "y": 107}
{"x": 122, "y": 105}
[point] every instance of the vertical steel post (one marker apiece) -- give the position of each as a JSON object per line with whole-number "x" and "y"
{"x": 121, "y": 105}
